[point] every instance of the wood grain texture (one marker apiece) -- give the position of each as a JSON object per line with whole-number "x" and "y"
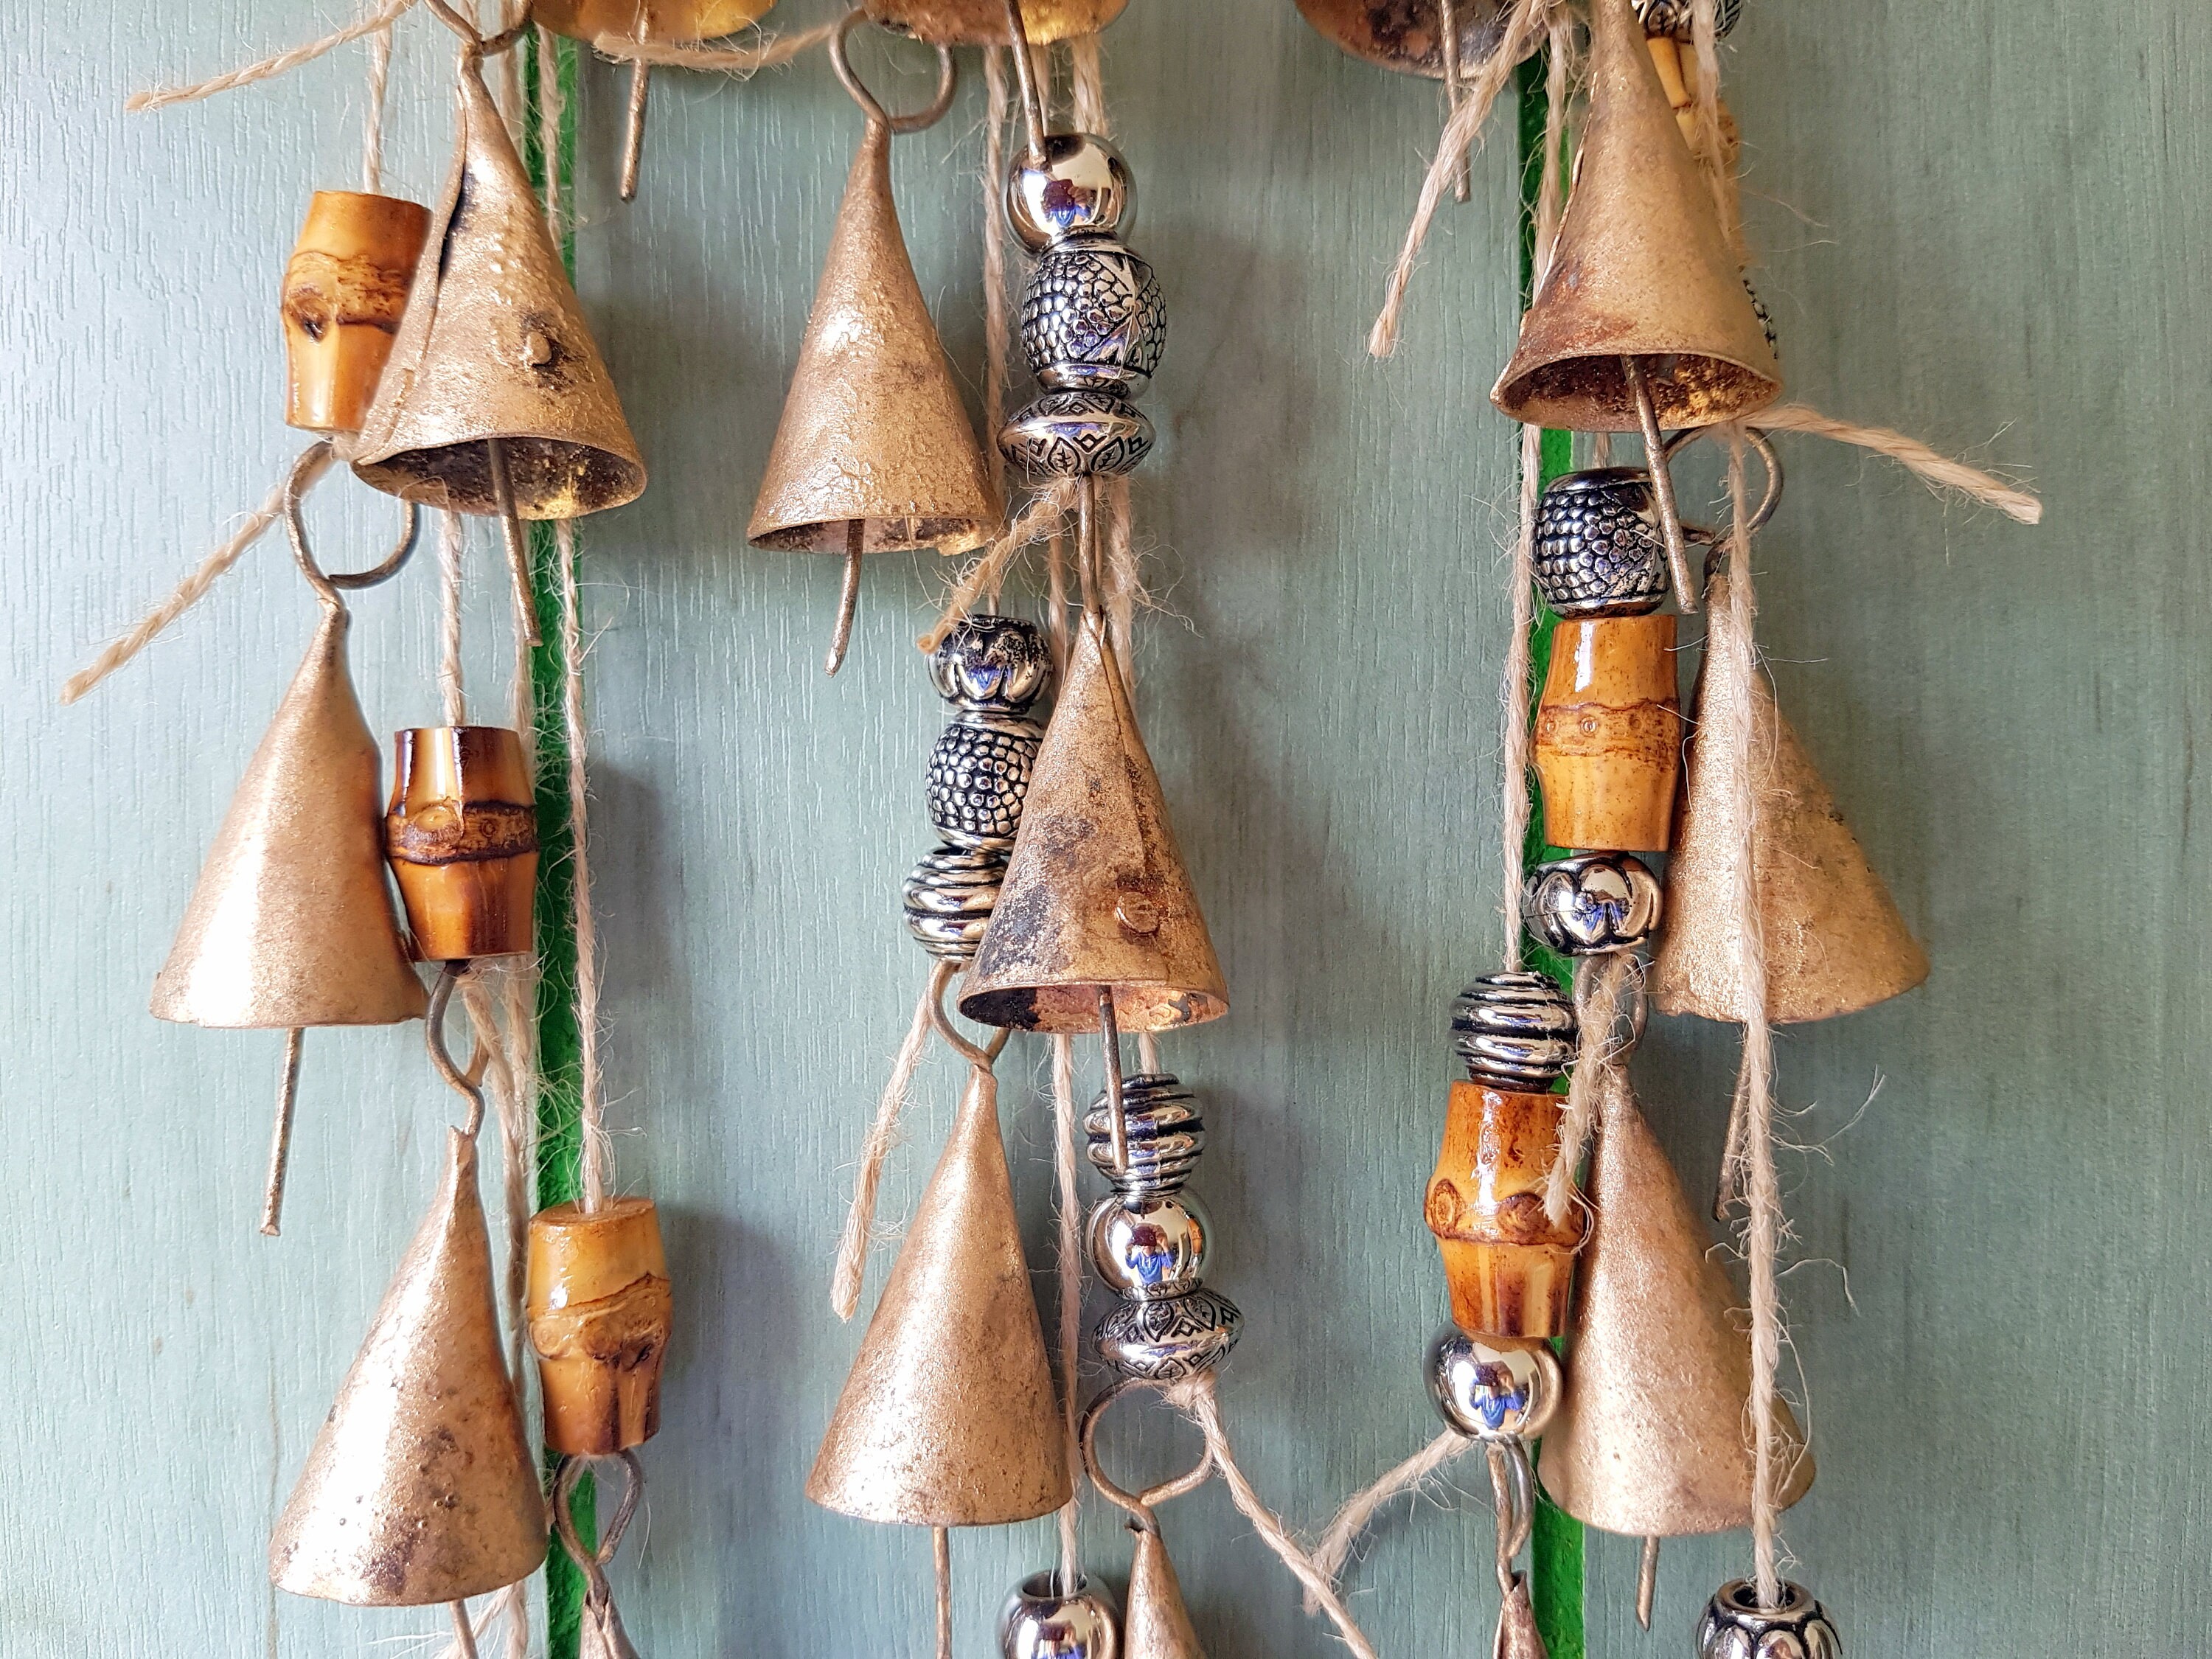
{"x": 1982, "y": 224}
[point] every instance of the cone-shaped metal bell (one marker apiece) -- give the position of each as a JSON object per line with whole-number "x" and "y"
{"x": 1155, "y": 1625}
{"x": 874, "y": 454}
{"x": 1518, "y": 1636}
{"x": 948, "y": 1418}
{"x": 1835, "y": 940}
{"x": 494, "y": 347}
{"x": 1095, "y": 896}
{"x": 1408, "y": 36}
{"x": 1650, "y": 1438}
{"x": 291, "y": 924}
{"x": 421, "y": 1487}
{"x": 983, "y": 22}
{"x": 1641, "y": 270}
{"x": 649, "y": 20}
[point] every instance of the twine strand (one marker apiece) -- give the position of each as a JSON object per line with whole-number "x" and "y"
{"x": 268, "y": 68}
{"x": 1595, "y": 1072}
{"x": 772, "y": 53}
{"x": 372, "y": 136}
{"x": 998, "y": 306}
{"x": 852, "y": 1264}
{"x": 1068, "y": 1218}
{"x": 1514, "y": 693}
{"x": 1088, "y": 76}
{"x": 551, "y": 108}
{"x": 598, "y": 1151}
{"x": 452, "y": 542}
{"x": 1939, "y": 471}
{"x": 1361, "y": 1508}
{"x": 987, "y": 570}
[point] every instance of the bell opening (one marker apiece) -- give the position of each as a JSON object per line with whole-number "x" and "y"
{"x": 1591, "y": 394}
{"x": 983, "y": 22}
{"x": 945, "y": 535}
{"x": 552, "y": 478}
{"x": 1067, "y": 1009}
{"x": 1407, "y": 35}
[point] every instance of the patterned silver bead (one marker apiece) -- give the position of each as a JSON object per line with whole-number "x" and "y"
{"x": 993, "y": 665}
{"x": 1043, "y": 1620}
{"x": 1671, "y": 18}
{"x": 1514, "y": 1031}
{"x": 1080, "y": 186}
{"x": 1167, "y": 1342}
{"x": 1600, "y": 551}
{"x": 1592, "y": 904}
{"x": 1166, "y": 1135}
{"x": 950, "y": 897}
{"x": 1150, "y": 1247}
{"x": 1092, "y": 317}
{"x": 979, "y": 775}
{"x": 1735, "y": 1627}
{"x": 1489, "y": 1392}
{"x": 1074, "y": 435}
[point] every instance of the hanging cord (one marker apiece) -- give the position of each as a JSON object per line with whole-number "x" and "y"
{"x": 1087, "y": 81}
{"x": 451, "y": 543}
{"x": 1069, "y": 1216}
{"x": 372, "y": 137}
{"x": 598, "y": 1149}
{"x": 1043, "y": 516}
{"x": 1335, "y": 1546}
{"x": 1601, "y": 983}
{"x": 1941, "y": 473}
{"x": 845, "y": 1279}
{"x": 998, "y": 306}
{"x": 268, "y": 68}
{"x": 551, "y": 106}
{"x": 771, "y": 53}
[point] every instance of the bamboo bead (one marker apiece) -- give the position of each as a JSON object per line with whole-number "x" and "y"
{"x": 1510, "y": 1269}
{"x": 1609, "y": 735}
{"x": 462, "y": 838}
{"x": 600, "y": 1314}
{"x": 345, "y": 290}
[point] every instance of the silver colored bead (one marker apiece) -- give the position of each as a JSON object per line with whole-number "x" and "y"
{"x": 992, "y": 665}
{"x": 1075, "y": 434}
{"x": 1598, "y": 549}
{"x": 1488, "y": 1392}
{"x": 1735, "y": 1626}
{"x": 1593, "y": 903}
{"x": 1514, "y": 1031}
{"x": 1150, "y": 1247}
{"x": 1092, "y": 317}
{"x": 1167, "y": 1342}
{"x": 979, "y": 775}
{"x": 1080, "y": 186}
{"x": 1166, "y": 1135}
{"x": 1041, "y": 1620}
{"x": 1671, "y": 18}
{"x": 950, "y": 897}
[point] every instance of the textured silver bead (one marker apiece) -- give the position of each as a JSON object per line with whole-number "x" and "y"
{"x": 1734, "y": 1627}
{"x": 993, "y": 665}
{"x": 1150, "y": 1247}
{"x": 1592, "y": 904}
{"x": 1489, "y": 1392}
{"x": 950, "y": 897}
{"x": 1092, "y": 317}
{"x": 1671, "y": 18}
{"x": 1080, "y": 186}
{"x": 1075, "y": 434}
{"x": 979, "y": 775}
{"x": 1599, "y": 550}
{"x": 1043, "y": 1620}
{"x": 1514, "y": 1031}
{"x": 1167, "y": 1342}
{"x": 1166, "y": 1135}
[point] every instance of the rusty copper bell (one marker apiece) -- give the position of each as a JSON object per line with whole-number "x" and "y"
{"x": 1155, "y": 1624}
{"x": 1641, "y": 270}
{"x": 1650, "y": 1440}
{"x": 983, "y": 22}
{"x": 1835, "y": 940}
{"x": 947, "y": 1418}
{"x": 1096, "y": 897}
{"x": 1408, "y": 36}
{"x": 421, "y": 1487}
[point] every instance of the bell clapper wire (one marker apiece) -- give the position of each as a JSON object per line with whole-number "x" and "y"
{"x": 1662, "y": 483}
{"x": 462, "y": 1082}
{"x": 511, "y": 534}
{"x": 1138, "y": 1504}
{"x": 1454, "y": 89}
{"x": 940, "y": 1540}
{"x": 849, "y": 596}
{"x": 633, "y": 125}
{"x": 1513, "y": 1487}
{"x": 1025, "y": 73}
{"x": 1647, "y": 1582}
{"x": 280, "y": 1144}
{"x": 1109, "y": 1040}
{"x": 464, "y": 1637}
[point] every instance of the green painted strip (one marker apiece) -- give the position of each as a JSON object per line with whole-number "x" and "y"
{"x": 560, "y": 1048}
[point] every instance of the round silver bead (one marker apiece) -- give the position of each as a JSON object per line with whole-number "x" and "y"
{"x": 1150, "y": 1247}
{"x": 1735, "y": 1627}
{"x": 979, "y": 775}
{"x": 1593, "y": 903}
{"x": 1168, "y": 1340}
{"x": 1075, "y": 434}
{"x": 1166, "y": 1134}
{"x": 1514, "y": 1031}
{"x": 1598, "y": 549}
{"x": 1671, "y": 18}
{"x": 1092, "y": 318}
{"x": 1080, "y": 186}
{"x": 950, "y": 897}
{"x": 1043, "y": 1620}
{"x": 993, "y": 665}
{"x": 1489, "y": 1392}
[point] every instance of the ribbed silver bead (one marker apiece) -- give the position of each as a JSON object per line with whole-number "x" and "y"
{"x": 1514, "y": 1031}
{"x": 1166, "y": 1135}
{"x": 950, "y": 897}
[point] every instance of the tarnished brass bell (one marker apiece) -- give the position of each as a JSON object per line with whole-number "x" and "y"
{"x": 1650, "y": 1439}
{"x": 948, "y": 1418}
{"x": 1835, "y": 940}
{"x": 462, "y": 836}
{"x": 984, "y": 23}
{"x": 1096, "y": 899}
{"x": 345, "y": 288}
{"x": 1155, "y": 1625}
{"x": 421, "y": 1487}
{"x": 1409, "y": 36}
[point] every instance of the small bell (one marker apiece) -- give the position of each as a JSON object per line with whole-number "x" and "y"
{"x": 1156, "y": 1624}
{"x": 1609, "y": 746}
{"x": 600, "y": 1314}
{"x": 345, "y": 288}
{"x": 1409, "y": 35}
{"x": 983, "y": 22}
{"x": 462, "y": 836}
{"x": 421, "y": 1487}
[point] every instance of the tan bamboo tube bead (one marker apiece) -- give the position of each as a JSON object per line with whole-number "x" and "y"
{"x": 461, "y": 834}
{"x": 345, "y": 289}
{"x": 1510, "y": 1269}
{"x": 601, "y": 1315}
{"x": 1609, "y": 735}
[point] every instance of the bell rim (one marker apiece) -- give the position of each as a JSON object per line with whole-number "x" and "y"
{"x": 1149, "y": 1006}
{"x": 1519, "y": 395}
{"x": 963, "y": 533}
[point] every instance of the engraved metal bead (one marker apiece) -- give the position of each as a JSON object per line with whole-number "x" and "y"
{"x": 1074, "y": 435}
{"x": 1080, "y": 186}
{"x": 1598, "y": 549}
{"x": 1592, "y": 904}
{"x": 1041, "y": 1620}
{"x": 989, "y": 664}
{"x": 950, "y": 897}
{"x": 1489, "y": 1392}
{"x": 1514, "y": 1031}
{"x": 1150, "y": 1247}
{"x": 1735, "y": 1627}
{"x": 979, "y": 775}
{"x": 1166, "y": 1341}
{"x": 1092, "y": 316}
{"x": 1166, "y": 1135}
{"x": 1671, "y": 18}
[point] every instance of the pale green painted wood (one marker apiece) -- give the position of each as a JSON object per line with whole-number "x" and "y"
{"x": 1992, "y": 237}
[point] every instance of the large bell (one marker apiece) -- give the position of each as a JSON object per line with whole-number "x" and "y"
{"x": 983, "y": 22}
{"x": 291, "y": 924}
{"x": 1096, "y": 898}
{"x": 1835, "y": 940}
{"x": 948, "y": 1416}
{"x": 1650, "y": 1439}
{"x": 421, "y": 1487}
{"x": 1641, "y": 270}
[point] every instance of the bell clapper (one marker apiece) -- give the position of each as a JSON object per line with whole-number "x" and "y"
{"x": 1025, "y": 76}
{"x": 1662, "y": 482}
{"x": 518, "y": 545}
{"x": 941, "y": 1543}
{"x": 1109, "y": 1037}
{"x": 1647, "y": 1582}
{"x": 1454, "y": 89}
{"x": 464, "y": 1636}
{"x": 848, "y": 596}
{"x": 641, "y": 74}
{"x": 280, "y": 1144}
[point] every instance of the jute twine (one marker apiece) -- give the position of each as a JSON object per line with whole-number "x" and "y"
{"x": 270, "y": 68}
{"x": 1067, "y": 1215}
{"x": 774, "y": 51}
{"x": 850, "y": 1268}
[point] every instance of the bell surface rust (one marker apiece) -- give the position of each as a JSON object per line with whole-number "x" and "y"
{"x": 874, "y": 452}
{"x": 1408, "y": 36}
{"x": 1650, "y": 1440}
{"x": 948, "y": 1416}
{"x": 421, "y": 1487}
{"x": 1835, "y": 940}
{"x": 1155, "y": 1624}
{"x": 291, "y": 924}
{"x": 494, "y": 347}
{"x": 1641, "y": 270}
{"x": 1096, "y": 896}
{"x": 983, "y": 22}
{"x": 461, "y": 833}
{"x": 600, "y": 1315}
{"x": 345, "y": 288}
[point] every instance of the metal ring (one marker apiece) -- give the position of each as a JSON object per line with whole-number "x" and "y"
{"x": 594, "y": 1562}
{"x": 475, "y": 40}
{"x": 1757, "y": 437}
{"x": 304, "y": 470}
{"x": 948, "y": 77}
{"x": 460, "y": 1082}
{"x": 939, "y": 979}
{"x": 1138, "y": 1505}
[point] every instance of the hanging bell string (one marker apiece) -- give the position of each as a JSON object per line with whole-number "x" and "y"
{"x": 372, "y": 136}
{"x": 1067, "y": 1226}
{"x": 1334, "y": 1548}
{"x": 1941, "y": 473}
{"x": 1042, "y": 518}
{"x": 517, "y": 1125}
{"x": 270, "y": 68}
{"x": 773, "y": 53}
{"x": 1603, "y": 985}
